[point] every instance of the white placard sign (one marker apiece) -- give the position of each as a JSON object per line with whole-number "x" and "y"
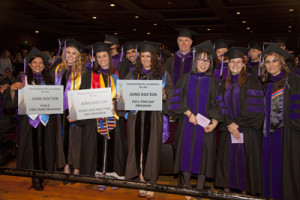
{"x": 40, "y": 99}
{"x": 90, "y": 104}
{"x": 140, "y": 95}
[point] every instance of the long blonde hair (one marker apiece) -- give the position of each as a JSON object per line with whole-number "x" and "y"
{"x": 76, "y": 67}
{"x": 265, "y": 75}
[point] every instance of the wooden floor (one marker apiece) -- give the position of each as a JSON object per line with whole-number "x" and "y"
{"x": 19, "y": 188}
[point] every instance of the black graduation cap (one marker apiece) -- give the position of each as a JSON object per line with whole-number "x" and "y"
{"x": 206, "y": 46}
{"x": 73, "y": 43}
{"x": 255, "y": 45}
{"x": 236, "y": 52}
{"x": 35, "y": 52}
{"x": 279, "y": 40}
{"x": 147, "y": 46}
{"x": 223, "y": 44}
{"x": 129, "y": 45}
{"x": 112, "y": 39}
{"x": 101, "y": 46}
{"x": 185, "y": 32}
{"x": 276, "y": 49}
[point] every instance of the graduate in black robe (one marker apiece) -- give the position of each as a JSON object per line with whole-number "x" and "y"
{"x": 37, "y": 134}
{"x": 127, "y": 63}
{"x": 181, "y": 62}
{"x": 68, "y": 73}
{"x": 196, "y": 93}
{"x": 280, "y": 148}
{"x": 144, "y": 128}
{"x": 96, "y": 131}
{"x": 116, "y": 56}
{"x": 242, "y": 103}
{"x": 254, "y": 54}
{"x": 221, "y": 68}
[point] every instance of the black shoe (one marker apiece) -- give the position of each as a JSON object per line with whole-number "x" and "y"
{"x": 65, "y": 182}
{"x": 37, "y": 184}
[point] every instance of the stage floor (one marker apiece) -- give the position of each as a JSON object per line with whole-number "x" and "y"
{"x": 19, "y": 188}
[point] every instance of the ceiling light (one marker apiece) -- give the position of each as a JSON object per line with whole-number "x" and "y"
{"x": 148, "y": 33}
{"x": 37, "y": 31}
{"x": 238, "y": 13}
{"x": 155, "y": 24}
{"x": 94, "y": 17}
{"x": 134, "y": 29}
{"x": 291, "y": 9}
{"x": 248, "y": 28}
{"x": 112, "y": 5}
{"x": 116, "y": 33}
{"x": 244, "y": 22}
{"x": 136, "y": 17}
{"x": 290, "y": 26}
{"x": 251, "y": 31}
{"x": 169, "y": 2}
{"x": 208, "y": 29}
{"x": 290, "y": 31}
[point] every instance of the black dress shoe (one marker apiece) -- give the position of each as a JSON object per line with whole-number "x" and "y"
{"x": 37, "y": 184}
{"x": 65, "y": 182}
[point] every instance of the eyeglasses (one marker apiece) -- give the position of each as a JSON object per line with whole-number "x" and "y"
{"x": 203, "y": 61}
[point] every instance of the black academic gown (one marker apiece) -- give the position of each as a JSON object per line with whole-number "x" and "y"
{"x": 92, "y": 154}
{"x": 195, "y": 149}
{"x": 145, "y": 130}
{"x": 68, "y": 135}
{"x": 36, "y": 146}
{"x": 124, "y": 68}
{"x": 290, "y": 149}
{"x": 239, "y": 165}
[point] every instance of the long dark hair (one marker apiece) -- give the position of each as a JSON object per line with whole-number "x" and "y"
{"x": 210, "y": 70}
{"x": 242, "y": 78}
{"x": 156, "y": 65}
{"x": 96, "y": 65}
{"x": 45, "y": 72}
{"x": 265, "y": 75}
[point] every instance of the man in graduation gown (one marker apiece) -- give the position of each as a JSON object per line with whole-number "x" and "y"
{"x": 221, "y": 68}
{"x": 181, "y": 62}
{"x": 254, "y": 54}
{"x": 126, "y": 65}
{"x": 111, "y": 39}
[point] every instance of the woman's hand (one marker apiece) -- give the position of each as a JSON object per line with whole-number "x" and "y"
{"x": 3, "y": 87}
{"x": 211, "y": 126}
{"x": 164, "y": 95}
{"x": 236, "y": 134}
{"x": 70, "y": 121}
{"x": 232, "y": 127}
{"x": 192, "y": 117}
{"x": 16, "y": 86}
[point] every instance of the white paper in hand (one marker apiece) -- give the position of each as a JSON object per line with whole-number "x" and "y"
{"x": 202, "y": 120}
{"x": 237, "y": 141}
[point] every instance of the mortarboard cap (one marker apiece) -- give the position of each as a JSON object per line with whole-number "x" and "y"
{"x": 255, "y": 45}
{"x": 236, "y": 52}
{"x": 223, "y": 44}
{"x": 101, "y": 46}
{"x": 147, "y": 46}
{"x": 35, "y": 52}
{"x": 129, "y": 45}
{"x": 74, "y": 43}
{"x": 276, "y": 49}
{"x": 279, "y": 40}
{"x": 206, "y": 46}
{"x": 185, "y": 32}
{"x": 111, "y": 39}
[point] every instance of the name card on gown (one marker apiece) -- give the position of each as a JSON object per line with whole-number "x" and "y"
{"x": 90, "y": 103}
{"x": 237, "y": 141}
{"x": 143, "y": 95}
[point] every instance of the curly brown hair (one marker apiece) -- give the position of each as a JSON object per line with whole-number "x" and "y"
{"x": 265, "y": 75}
{"x": 156, "y": 65}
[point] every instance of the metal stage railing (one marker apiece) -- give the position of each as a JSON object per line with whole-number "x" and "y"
{"x": 126, "y": 184}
